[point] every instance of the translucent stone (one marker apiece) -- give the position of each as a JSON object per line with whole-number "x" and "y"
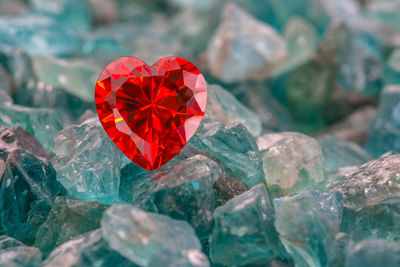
{"x": 361, "y": 70}
{"x": 354, "y": 128}
{"x": 385, "y": 129}
{"x": 371, "y": 253}
{"x": 235, "y": 147}
{"x": 244, "y": 48}
{"x": 183, "y": 191}
{"x": 39, "y": 94}
{"x": 38, "y": 35}
{"x": 5, "y": 98}
{"x": 371, "y": 199}
{"x": 67, "y": 219}
{"x": 12, "y": 7}
{"x": 273, "y": 115}
{"x": 17, "y": 138}
{"x": 244, "y": 230}
{"x": 87, "y": 163}
{"x": 75, "y": 76}
{"x": 28, "y": 189}
{"x": 339, "y": 153}
{"x": 224, "y": 107}
{"x": 302, "y": 42}
{"x": 20, "y": 256}
{"x": 142, "y": 236}
{"x": 74, "y": 14}
{"x": 86, "y": 250}
{"x": 385, "y": 12}
{"x": 104, "y": 11}
{"x": 306, "y": 168}
{"x": 392, "y": 68}
{"x": 307, "y": 224}
{"x": 40, "y": 122}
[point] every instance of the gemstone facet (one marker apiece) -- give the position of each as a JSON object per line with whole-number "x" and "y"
{"x": 150, "y": 112}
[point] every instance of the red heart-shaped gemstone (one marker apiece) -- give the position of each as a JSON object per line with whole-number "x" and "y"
{"x": 150, "y": 112}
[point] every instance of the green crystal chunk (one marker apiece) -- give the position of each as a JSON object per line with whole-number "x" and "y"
{"x": 87, "y": 163}
{"x": 5, "y": 98}
{"x": 28, "y": 188}
{"x": 302, "y": 41}
{"x": 339, "y": 153}
{"x": 75, "y": 76}
{"x": 183, "y": 191}
{"x": 86, "y": 250}
{"x": 40, "y": 122}
{"x": 235, "y": 147}
{"x": 392, "y": 68}
{"x": 74, "y": 14}
{"x": 244, "y": 230}
{"x": 37, "y": 35}
{"x": 385, "y": 129}
{"x": 254, "y": 49}
{"x": 143, "y": 237}
{"x": 372, "y": 253}
{"x": 306, "y": 168}
{"x": 224, "y": 107}
{"x": 67, "y": 219}
{"x": 307, "y": 224}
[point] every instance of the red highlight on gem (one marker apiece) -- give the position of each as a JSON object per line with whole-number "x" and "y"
{"x": 150, "y": 112}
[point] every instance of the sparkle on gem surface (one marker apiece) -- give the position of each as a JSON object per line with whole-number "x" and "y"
{"x": 150, "y": 112}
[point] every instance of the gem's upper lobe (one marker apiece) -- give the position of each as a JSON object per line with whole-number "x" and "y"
{"x": 150, "y": 112}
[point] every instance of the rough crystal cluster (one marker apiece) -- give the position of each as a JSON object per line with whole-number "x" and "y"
{"x": 306, "y": 168}
{"x": 295, "y": 163}
{"x": 87, "y": 163}
{"x": 244, "y": 231}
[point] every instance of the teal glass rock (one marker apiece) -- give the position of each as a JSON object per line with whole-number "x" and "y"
{"x": 17, "y": 138}
{"x": 371, "y": 253}
{"x": 40, "y": 122}
{"x": 392, "y": 68}
{"x": 20, "y": 256}
{"x": 28, "y": 188}
{"x": 361, "y": 71}
{"x": 244, "y": 230}
{"x": 75, "y": 76}
{"x": 38, "y": 94}
{"x": 5, "y": 98}
{"x": 306, "y": 168}
{"x": 339, "y": 153}
{"x": 86, "y": 250}
{"x": 371, "y": 199}
{"x": 8, "y": 242}
{"x": 255, "y": 49}
{"x": 235, "y": 147}
{"x": 67, "y": 219}
{"x": 354, "y": 128}
{"x": 385, "y": 12}
{"x": 143, "y": 237}
{"x": 224, "y": 107}
{"x": 74, "y": 14}
{"x": 385, "y": 129}
{"x": 38, "y": 35}
{"x": 183, "y": 191}
{"x": 307, "y": 224}
{"x": 87, "y": 163}
{"x": 302, "y": 43}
